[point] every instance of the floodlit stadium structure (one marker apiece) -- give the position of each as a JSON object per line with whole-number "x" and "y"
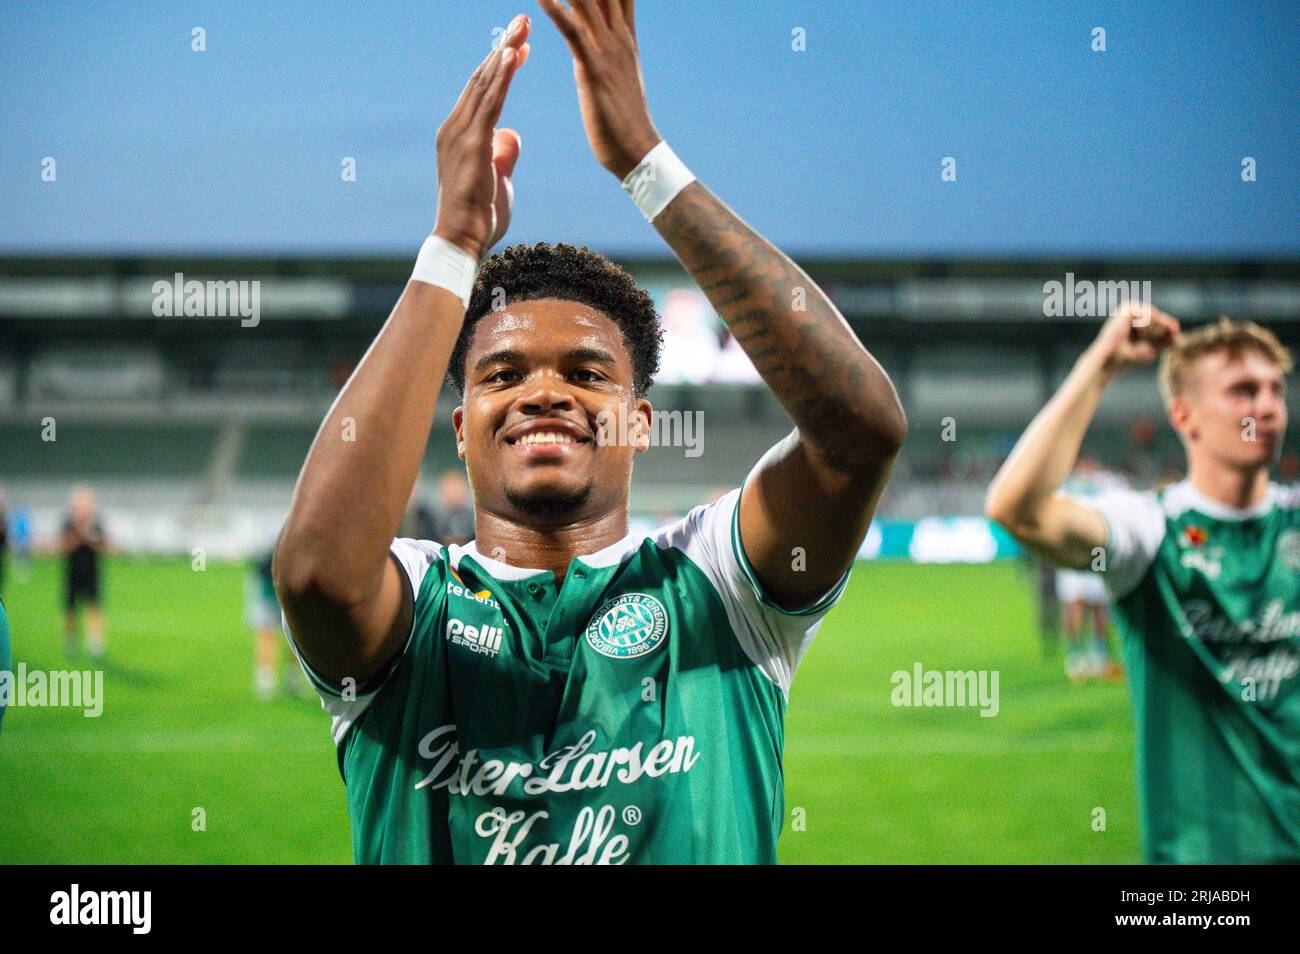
{"x": 192, "y": 428}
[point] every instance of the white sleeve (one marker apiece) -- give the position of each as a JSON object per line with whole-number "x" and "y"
{"x": 1135, "y": 528}
{"x": 774, "y": 639}
{"x": 346, "y": 703}
{"x": 416, "y": 556}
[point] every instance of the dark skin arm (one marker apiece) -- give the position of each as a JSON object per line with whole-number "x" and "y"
{"x": 818, "y": 488}
{"x": 347, "y": 603}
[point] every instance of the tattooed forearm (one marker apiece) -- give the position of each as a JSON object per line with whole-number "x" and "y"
{"x": 843, "y": 403}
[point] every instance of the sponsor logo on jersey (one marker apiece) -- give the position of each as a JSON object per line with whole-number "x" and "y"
{"x": 569, "y": 768}
{"x": 1257, "y": 655}
{"x": 1272, "y": 623}
{"x": 1264, "y": 675}
{"x": 628, "y": 626}
{"x": 1206, "y": 560}
{"x": 1288, "y": 549}
{"x": 479, "y": 639}
{"x": 579, "y": 767}
{"x": 589, "y": 841}
{"x": 1196, "y": 555}
{"x": 482, "y": 595}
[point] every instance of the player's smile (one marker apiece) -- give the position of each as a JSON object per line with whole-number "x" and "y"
{"x": 547, "y": 439}
{"x": 543, "y": 374}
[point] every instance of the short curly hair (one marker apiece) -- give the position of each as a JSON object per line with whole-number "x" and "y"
{"x": 568, "y": 273}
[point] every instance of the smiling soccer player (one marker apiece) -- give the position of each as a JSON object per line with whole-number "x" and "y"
{"x": 560, "y": 690}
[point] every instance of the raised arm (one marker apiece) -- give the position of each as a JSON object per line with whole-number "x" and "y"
{"x": 1025, "y": 495}
{"x": 347, "y": 604}
{"x": 817, "y": 489}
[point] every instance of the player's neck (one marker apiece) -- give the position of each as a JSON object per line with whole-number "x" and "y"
{"x": 546, "y": 548}
{"x": 1233, "y": 487}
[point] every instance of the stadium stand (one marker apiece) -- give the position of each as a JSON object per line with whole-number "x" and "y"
{"x": 193, "y": 428}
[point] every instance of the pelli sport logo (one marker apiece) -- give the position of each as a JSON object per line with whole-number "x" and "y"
{"x": 483, "y": 639}
{"x": 629, "y": 626}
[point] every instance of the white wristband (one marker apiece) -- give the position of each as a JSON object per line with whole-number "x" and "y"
{"x": 446, "y": 265}
{"x": 656, "y": 180}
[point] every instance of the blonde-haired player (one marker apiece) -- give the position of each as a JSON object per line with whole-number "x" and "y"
{"x": 1205, "y": 575}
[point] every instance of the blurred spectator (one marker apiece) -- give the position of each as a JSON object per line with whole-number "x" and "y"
{"x": 691, "y": 346}
{"x": 734, "y": 366}
{"x": 1142, "y": 462}
{"x": 418, "y": 522}
{"x": 453, "y": 514}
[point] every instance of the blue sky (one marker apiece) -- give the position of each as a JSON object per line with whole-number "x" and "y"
{"x": 833, "y": 150}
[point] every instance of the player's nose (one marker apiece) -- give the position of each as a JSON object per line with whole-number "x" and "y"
{"x": 1269, "y": 406}
{"x": 545, "y": 391}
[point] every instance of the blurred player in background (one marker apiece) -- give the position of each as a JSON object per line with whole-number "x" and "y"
{"x": 559, "y": 690}
{"x": 262, "y": 611}
{"x": 1082, "y": 594}
{"x": 82, "y": 544}
{"x": 1205, "y": 576}
{"x": 453, "y": 517}
{"x": 6, "y": 658}
{"x": 418, "y": 522}
{"x": 4, "y": 539}
{"x": 20, "y": 542}
{"x": 1042, "y": 574}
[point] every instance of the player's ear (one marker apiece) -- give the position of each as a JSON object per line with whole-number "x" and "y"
{"x": 458, "y": 422}
{"x": 642, "y": 415}
{"x": 1180, "y": 417}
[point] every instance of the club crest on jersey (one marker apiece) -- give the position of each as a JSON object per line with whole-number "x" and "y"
{"x": 1288, "y": 549}
{"x": 1195, "y": 536}
{"x": 628, "y": 626}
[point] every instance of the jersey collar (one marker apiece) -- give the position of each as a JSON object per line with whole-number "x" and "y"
{"x": 1187, "y": 497}
{"x": 611, "y": 555}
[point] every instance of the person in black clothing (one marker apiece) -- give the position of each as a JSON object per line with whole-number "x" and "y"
{"x": 82, "y": 543}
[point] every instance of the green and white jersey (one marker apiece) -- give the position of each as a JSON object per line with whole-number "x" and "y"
{"x": 634, "y": 714}
{"x": 1208, "y": 601}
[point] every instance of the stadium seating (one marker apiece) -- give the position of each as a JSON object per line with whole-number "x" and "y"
{"x": 192, "y": 430}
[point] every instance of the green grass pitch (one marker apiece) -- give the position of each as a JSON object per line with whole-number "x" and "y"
{"x": 865, "y": 781}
